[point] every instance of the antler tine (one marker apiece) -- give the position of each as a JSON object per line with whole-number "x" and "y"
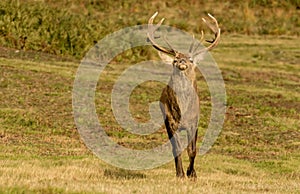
{"x": 192, "y": 47}
{"x": 202, "y": 36}
{"x": 151, "y": 22}
{"x": 168, "y": 43}
{"x": 150, "y": 34}
{"x": 216, "y": 30}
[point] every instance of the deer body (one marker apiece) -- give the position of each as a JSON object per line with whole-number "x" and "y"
{"x": 179, "y": 101}
{"x": 180, "y": 107}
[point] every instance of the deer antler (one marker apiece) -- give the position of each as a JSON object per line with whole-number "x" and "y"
{"x": 150, "y": 34}
{"x": 216, "y": 30}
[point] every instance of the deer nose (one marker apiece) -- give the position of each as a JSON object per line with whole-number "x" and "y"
{"x": 182, "y": 67}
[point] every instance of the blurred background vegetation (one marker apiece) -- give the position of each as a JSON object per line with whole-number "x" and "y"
{"x": 71, "y": 27}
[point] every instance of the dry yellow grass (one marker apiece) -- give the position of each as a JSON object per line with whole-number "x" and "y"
{"x": 218, "y": 174}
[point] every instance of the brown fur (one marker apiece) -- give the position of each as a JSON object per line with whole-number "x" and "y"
{"x": 180, "y": 107}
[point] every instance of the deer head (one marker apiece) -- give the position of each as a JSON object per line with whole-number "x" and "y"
{"x": 182, "y": 62}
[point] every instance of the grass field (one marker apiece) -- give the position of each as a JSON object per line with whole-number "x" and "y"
{"x": 257, "y": 151}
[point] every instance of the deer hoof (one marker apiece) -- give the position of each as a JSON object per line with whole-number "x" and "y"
{"x": 191, "y": 173}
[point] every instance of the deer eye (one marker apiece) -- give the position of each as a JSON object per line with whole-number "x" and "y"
{"x": 191, "y": 60}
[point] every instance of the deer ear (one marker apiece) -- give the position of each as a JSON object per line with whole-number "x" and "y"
{"x": 166, "y": 58}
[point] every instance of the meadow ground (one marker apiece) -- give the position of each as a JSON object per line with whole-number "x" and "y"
{"x": 257, "y": 151}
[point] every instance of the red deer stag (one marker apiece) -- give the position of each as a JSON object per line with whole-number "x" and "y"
{"x": 179, "y": 99}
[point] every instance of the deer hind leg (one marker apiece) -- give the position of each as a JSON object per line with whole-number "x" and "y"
{"x": 191, "y": 149}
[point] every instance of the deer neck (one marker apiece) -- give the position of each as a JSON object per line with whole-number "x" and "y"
{"x": 182, "y": 80}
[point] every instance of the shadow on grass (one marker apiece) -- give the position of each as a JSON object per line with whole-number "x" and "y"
{"x": 123, "y": 174}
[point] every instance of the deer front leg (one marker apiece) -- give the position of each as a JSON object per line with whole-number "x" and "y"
{"x": 176, "y": 150}
{"x": 191, "y": 149}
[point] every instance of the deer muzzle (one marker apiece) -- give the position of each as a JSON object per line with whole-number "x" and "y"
{"x": 182, "y": 67}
